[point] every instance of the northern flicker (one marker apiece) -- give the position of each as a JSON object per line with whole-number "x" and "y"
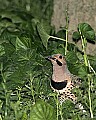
{"x": 62, "y": 80}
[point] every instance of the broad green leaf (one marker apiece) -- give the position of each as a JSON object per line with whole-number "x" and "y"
{"x": 42, "y": 111}
{"x": 26, "y": 41}
{"x": 14, "y": 18}
{"x": 5, "y": 23}
{"x": 84, "y": 27}
{"x": 15, "y": 79}
{"x": 86, "y": 31}
{"x": 58, "y": 51}
{"x": 61, "y": 34}
{"x": 90, "y": 35}
{"x": 72, "y": 57}
{"x": 76, "y": 35}
{"x": 83, "y": 71}
{"x": 43, "y": 34}
{"x": 75, "y": 68}
{"x": 23, "y": 43}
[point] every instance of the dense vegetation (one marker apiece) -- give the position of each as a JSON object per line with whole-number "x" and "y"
{"x": 26, "y": 38}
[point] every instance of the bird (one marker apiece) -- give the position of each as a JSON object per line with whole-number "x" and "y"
{"x": 62, "y": 81}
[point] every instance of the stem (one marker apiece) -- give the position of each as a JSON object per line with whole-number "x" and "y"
{"x": 63, "y": 40}
{"x": 6, "y": 100}
{"x": 61, "y": 111}
{"x": 84, "y": 44}
{"x": 57, "y": 38}
{"x": 66, "y": 32}
{"x": 90, "y": 97}
{"x": 84, "y": 50}
{"x": 66, "y": 41}
{"x": 57, "y": 103}
{"x": 31, "y": 86}
{"x": 5, "y": 90}
{"x": 19, "y": 94}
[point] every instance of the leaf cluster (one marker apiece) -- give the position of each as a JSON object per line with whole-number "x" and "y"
{"x": 26, "y": 38}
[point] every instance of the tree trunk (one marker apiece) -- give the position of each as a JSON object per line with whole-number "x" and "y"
{"x": 78, "y": 11}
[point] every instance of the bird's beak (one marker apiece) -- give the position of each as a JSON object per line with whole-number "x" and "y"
{"x": 48, "y": 58}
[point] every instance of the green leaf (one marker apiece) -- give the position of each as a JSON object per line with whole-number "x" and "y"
{"x": 20, "y": 44}
{"x": 42, "y": 111}
{"x": 14, "y": 18}
{"x": 23, "y": 43}
{"x": 76, "y": 35}
{"x": 84, "y": 27}
{"x": 90, "y": 35}
{"x": 2, "y": 51}
{"x": 43, "y": 34}
{"x": 5, "y": 23}
{"x": 71, "y": 56}
{"x": 83, "y": 71}
{"x": 86, "y": 31}
{"x": 61, "y": 34}
{"x": 24, "y": 117}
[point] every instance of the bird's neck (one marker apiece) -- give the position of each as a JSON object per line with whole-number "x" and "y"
{"x": 60, "y": 73}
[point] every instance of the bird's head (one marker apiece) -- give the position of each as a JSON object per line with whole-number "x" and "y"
{"x": 57, "y": 59}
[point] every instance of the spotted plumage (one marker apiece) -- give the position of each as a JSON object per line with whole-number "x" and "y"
{"x": 62, "y": 80}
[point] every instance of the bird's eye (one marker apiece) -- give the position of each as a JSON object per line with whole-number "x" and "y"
{"x": 60, "y": 57}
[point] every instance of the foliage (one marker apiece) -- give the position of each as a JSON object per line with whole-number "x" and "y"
{"x": 26, "y": 38}
{"x": 42, "y": 111}
{"x": 86, "y": 31}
